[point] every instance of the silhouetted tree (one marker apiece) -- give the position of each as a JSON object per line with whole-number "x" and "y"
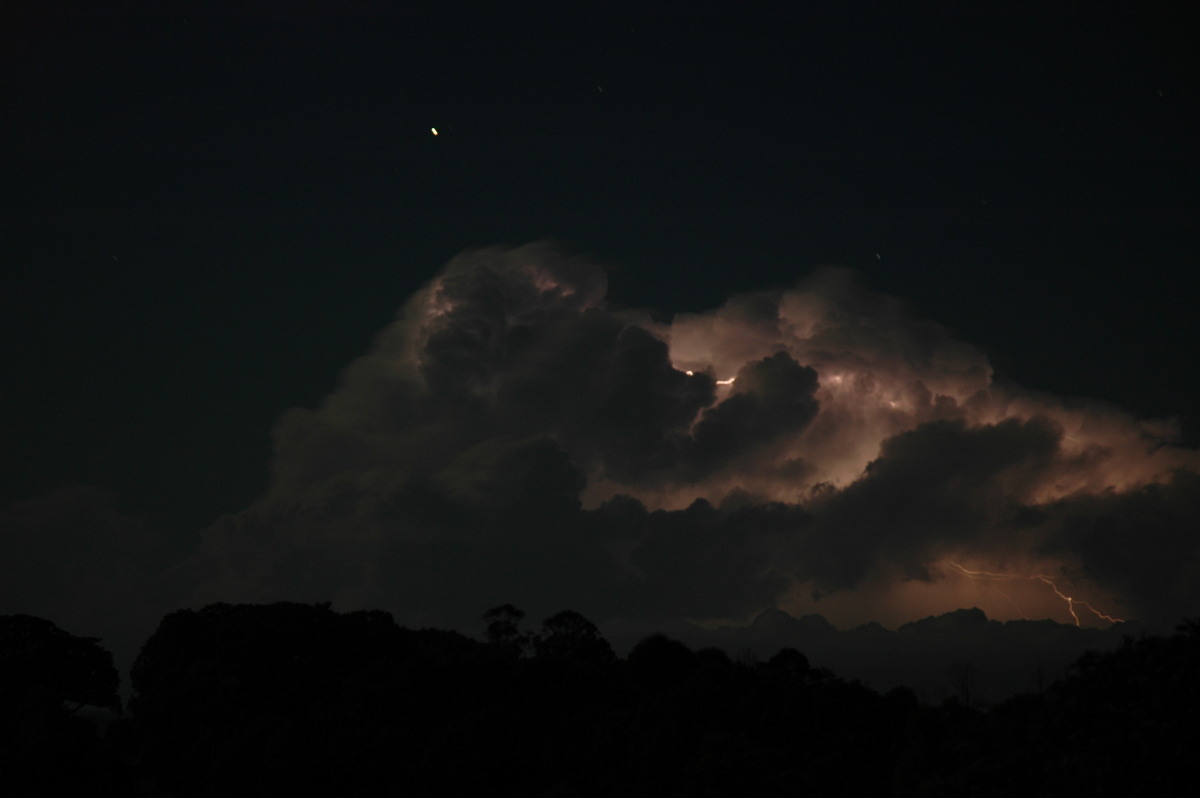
{"x": 569, "y": 635}
{"x": 658, "y": 660}
{"x": 35, "y": 655}
{"x": 714, "y": 657}
{"x": 288, "y": 696}
{"x": 46, "y": 676}
{"x": 297, "y": 699}
{"x": 790, "y": 661}
{"x": 504, "y": 629}
{"x": 962, "y": 682}
{"x": 748, "y": 657}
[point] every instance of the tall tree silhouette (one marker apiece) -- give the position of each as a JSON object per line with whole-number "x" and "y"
{"x": 284, "y": 694}
{"x": 46, "y": 676}
{"x": 569, "y": 635}
{"x": 37, "y": 656}
{"x": 504, "y": 629}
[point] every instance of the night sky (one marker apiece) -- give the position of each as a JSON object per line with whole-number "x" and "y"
{"x": 211, "y": 223}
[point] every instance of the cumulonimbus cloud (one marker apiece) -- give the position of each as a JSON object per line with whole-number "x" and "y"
{"x": 511, "y": 439}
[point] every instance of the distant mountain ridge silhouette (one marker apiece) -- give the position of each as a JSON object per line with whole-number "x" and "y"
{"x": 1008, "y": 657}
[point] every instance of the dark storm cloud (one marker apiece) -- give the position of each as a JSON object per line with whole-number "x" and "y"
{"x": 501, "y": 520}
{"x": 504, "y": 342}
{"x": 773, "y": 397}
{"x": 606, "y": 389}
{"x": 940, "y": 487}
{"x": 445, "y": 473}
{"x": 703, "y": 561}
{"x": 511, "y": 439}
{"x": 1144, "y": 543}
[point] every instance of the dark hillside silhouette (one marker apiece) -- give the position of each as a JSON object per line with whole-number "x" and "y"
{"x": 1120, "y": 724}
{"x": 297, "y": 699}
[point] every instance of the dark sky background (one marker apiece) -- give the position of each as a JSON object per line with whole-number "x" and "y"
{"x": 207, "y": 217}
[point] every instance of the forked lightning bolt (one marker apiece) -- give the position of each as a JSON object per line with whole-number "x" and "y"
{"x": 1070, "y": 600}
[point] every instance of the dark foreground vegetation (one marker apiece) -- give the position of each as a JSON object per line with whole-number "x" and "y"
{"x": 292, "y": 699}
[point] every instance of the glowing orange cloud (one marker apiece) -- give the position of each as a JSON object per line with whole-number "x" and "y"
{"x": 853, "y": 459}
{"x": 883, "y": 372}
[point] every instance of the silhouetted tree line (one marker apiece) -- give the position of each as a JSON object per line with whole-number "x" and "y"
{"x": 297, "y": 699}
